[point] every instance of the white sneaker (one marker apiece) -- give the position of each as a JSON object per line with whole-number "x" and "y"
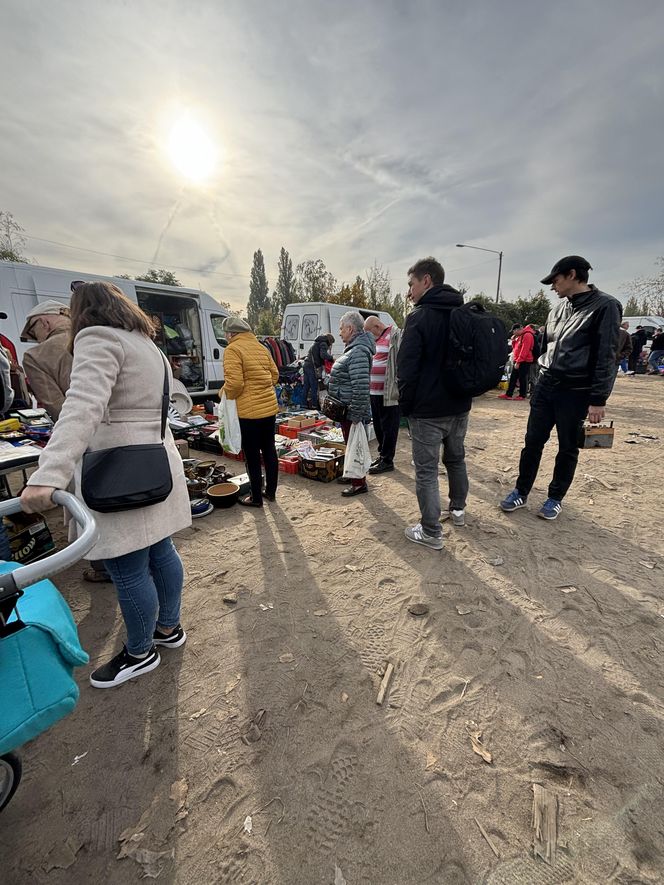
{"x": 417, "y": 534}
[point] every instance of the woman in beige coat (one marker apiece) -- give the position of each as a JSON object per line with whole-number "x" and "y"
{"x": 114, "y": 399}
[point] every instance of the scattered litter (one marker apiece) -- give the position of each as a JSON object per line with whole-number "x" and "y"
{"x": 632, "y": 442}
{"x": 385, "y": 683}
{"x": 320, "y": 612}
{"x": 288, "y": 658}
{"x": 355, "y": 568}
{"x": 231, "y": 685}
{"x": 338, "y": 876}
{"x": 647, "y": 564}
{"x": 475, "y": 735}
{"x": 463, "y": 611}
{"x": 545, "y": 823}
{"x": 254, "y": 732}
{"x": 248, "y": 824}
{"x": 486, "y": 836}
{"x": 265, "y": 608}
{"x": 432, "y": 761}
{"x": 62, "y": 856}
{"x": 567, "y": 588}
{"x": 497, "y": 561}
{"x": 178, "y": 794}
{"x": 230, "y": 598}
{"x": 602, "y": 482}
{"x": 198, "y": 714}
{"x": 344, "y": 695}
{"x": 642, "y": 435}
{"x": 418, "y": 609}
{"x": 77, "y": 759}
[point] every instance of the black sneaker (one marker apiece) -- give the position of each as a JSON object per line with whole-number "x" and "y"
{"x": 124, "y": 667}
{"x": 171, "y": 640}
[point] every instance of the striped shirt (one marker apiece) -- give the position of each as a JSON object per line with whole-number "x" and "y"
{"x": 379, "y": 363}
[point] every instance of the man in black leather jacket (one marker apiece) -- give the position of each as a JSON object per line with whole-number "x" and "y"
{"x": 577, "y": 369}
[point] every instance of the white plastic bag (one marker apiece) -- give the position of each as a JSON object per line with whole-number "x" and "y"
{"x": 230, "y": 435}
{"x": 357, "y": 459}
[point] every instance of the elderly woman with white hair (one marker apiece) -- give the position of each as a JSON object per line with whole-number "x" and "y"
{"x": 350, "y": 382}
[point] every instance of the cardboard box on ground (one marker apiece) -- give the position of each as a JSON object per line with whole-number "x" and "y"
{"x": 30, "y": 538}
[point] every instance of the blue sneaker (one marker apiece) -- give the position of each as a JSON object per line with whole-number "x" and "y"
{"x": 513, "y": 501}
{"x": 550, "y": 509}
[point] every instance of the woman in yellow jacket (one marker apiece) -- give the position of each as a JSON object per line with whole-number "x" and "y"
{"x": 250, "y": 375}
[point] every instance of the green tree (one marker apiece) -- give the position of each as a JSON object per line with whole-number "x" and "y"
{"x": 631, "y": 307}
{"x": 12, "y": 239}
{"x": 378, "y": 287}
{"x": 265, "y": 323}
{"x": 286, "y": 290}
{"x": 259, "y": 300}
{"x": 315, "y": 281}
{"x": 398, "y": 309}
{"x": 154, "y": 275}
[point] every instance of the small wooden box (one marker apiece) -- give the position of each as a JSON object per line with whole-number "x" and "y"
{"x": 598, "y": 436}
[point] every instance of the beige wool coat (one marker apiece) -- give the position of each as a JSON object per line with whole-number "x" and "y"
{"x": 114, "y": 399}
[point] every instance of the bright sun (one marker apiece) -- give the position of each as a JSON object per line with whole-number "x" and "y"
{"x": 191, "y": 150}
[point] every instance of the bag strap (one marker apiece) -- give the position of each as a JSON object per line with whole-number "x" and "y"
{"x": 166, "y": 397}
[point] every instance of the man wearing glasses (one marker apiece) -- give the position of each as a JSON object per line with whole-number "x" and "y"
{"x": 48, "y": 365}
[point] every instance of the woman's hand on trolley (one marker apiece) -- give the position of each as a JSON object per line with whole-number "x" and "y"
{"x": 34, "y": 499}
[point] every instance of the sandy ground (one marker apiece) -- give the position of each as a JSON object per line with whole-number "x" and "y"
{"x": 548, "y": 636}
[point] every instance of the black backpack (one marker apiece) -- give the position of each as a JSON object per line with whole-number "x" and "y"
{"x": 477, "y": 350}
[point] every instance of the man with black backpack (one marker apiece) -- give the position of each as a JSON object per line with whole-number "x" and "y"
{"x": 437, "y": 417}
{"x": 577, "y": 371}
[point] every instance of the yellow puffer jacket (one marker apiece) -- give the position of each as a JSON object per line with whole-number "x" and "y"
{"x": 250, "y": 375}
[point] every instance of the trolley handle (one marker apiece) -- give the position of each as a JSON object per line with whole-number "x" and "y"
{"x": 25, "y": 575}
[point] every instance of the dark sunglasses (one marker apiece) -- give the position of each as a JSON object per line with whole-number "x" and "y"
{"x": 76, "y": 284}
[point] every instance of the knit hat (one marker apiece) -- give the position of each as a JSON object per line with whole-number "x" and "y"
{"x": 43, "y": 308}
{"x": 236, "y": 324}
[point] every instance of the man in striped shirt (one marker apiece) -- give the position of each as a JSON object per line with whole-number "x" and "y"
{"x": 384, "y": 392}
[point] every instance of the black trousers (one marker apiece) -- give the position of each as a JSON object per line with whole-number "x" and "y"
{"x": 521, "y": 375}
{"x": 553, "y": 406}
{"x": 257, "y": 440}
{"x": 386, "y": 424}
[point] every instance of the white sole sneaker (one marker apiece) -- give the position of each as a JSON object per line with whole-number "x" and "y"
{"x": 416, "y": 534}
{"x": 174, "y": 640}
{"x": 121, "y": 669}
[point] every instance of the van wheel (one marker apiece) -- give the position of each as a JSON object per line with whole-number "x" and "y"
{"x": 10, "y": 777}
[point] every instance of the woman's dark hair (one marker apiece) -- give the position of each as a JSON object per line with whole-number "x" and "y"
{"x": 103, "y": 304}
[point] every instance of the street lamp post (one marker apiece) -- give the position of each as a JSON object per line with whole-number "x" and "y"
{"x": 495, "y": 252}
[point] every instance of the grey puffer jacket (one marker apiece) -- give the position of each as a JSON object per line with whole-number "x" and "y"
{"x": 349, "y": 379}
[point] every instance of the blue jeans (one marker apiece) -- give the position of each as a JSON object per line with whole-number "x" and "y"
{"x": 654, "y": 358}
{"x": 149, "y": 586}
{"x": 429, "y": 434}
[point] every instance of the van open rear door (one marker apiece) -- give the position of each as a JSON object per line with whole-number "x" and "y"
{"x": 178, "y": 322}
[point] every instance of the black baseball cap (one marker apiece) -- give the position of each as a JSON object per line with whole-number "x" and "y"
{"x": 565, "y": 266}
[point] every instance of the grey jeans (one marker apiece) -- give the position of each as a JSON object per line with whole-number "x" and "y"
{"x": 429, "y": 434}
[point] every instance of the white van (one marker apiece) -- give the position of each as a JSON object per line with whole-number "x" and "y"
{"x": 304, "y": 322}
{"x": 650, "y": 324}
{"x": 190, "y": 320}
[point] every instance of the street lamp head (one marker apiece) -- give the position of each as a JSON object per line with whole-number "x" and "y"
{"x": 461, "y": 245}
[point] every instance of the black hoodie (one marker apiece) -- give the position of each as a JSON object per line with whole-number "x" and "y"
{"x": 423, "y": 354}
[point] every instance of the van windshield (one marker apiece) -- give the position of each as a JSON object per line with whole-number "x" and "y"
{"x": 178, "y": 333}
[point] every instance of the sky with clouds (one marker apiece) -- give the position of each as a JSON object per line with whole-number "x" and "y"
{"x": 351, "y": 131}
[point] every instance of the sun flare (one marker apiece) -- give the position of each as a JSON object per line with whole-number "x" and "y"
{"x": 191, "y": 150}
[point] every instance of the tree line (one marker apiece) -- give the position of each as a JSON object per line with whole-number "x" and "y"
{"x": 312, "y": 281}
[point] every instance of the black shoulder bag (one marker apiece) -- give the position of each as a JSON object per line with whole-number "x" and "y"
{"x": 128, "y": 477}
